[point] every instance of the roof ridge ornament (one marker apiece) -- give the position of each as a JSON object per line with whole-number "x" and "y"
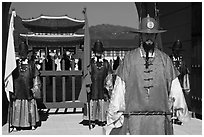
{"x": 53, "y": 17}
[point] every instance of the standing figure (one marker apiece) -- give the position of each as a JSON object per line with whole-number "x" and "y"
{"x": 144, "y": 90}
{"x": 26, "y": 82}
{"x": 98, "y": 96}
{"x": 48, "y": 63}
{"x": 67, "y": 62}
{"x": 116, "y": 63}
{"x": 57, "y": 62}
{"x": 48, "y": 66}
{"x": 181, "y": 66}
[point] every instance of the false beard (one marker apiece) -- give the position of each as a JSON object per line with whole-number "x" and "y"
{"x": 147, "y": 49}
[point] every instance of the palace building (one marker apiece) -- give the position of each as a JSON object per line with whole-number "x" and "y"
{"x": 52, "y": 36}
{"x": 58, "y": 39}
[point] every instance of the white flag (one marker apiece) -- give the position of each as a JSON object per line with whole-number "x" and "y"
{"x": 10, "y": 58}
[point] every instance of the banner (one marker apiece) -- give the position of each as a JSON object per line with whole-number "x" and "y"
{"x": 10, "y": 58}
{"x": 86, "y": 80}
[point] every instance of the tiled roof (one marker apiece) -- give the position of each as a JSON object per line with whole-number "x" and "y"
{"x": 51, "y": 21}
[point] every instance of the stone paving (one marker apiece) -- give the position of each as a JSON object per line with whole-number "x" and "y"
{"x": 60, "y": 123}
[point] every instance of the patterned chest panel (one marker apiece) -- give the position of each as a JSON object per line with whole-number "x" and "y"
{"x": 23, "y": 69}
{"x": 177, "y": 62}
{"x": 23, "y": 80}
{"x": 98, "y": 68}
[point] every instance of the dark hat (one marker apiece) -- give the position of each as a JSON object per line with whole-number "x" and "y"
{"x": 149, "y": 25}
{"x": 98, "y": 47}
{"x": 24, "y": 49}
{"x": 177, "y": 46}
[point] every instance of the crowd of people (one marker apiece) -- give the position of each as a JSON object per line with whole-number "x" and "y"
{"x": 138, "y": 95}
{"x": 59, "y": 62}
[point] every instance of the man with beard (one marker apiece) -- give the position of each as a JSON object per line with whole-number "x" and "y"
{"x": 146, "y": 89}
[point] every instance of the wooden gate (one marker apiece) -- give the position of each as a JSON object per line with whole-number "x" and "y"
{"x": 196, "y": 59}
{"x": 60, "y": 89}
{"x": 196, "y": 76}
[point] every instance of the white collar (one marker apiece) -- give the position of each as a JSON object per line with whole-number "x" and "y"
{"x": 25, "y": 61}
{"x": 142, "y": 53}
{"x": 100, "y": 60}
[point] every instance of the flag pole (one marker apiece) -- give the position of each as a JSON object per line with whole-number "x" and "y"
{"x": 156, "y": 16}
{"x": 86, "y": 78}
{"x": 87, "y": 59}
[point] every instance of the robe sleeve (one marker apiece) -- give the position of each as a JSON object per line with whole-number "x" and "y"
{"x": 35, "y": 75}
{"x": 109, "y": 83}
{"x": 179, "y": 101}
{"x": 117, "y": 105}
{"x": 176, "y": 93}
{"x": 185, "y": 79}
{"x": 117, "y": 101}
{"x": 36, "y": 81}
{"x": 171, "y": 73}
{"x": 123, "y": 69}
{"x": 186, "y": 83}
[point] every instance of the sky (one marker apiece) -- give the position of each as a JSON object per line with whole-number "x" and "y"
{"x": 114, "y": 13}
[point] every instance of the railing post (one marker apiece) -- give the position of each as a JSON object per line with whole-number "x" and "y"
{"x": 53, "y": 82}
{"x": 44, "y": 83}
{"x": 73, "y": 88}
{"x": 63, "y": 82}
{"x": 73, "y": 64}
{"x": 54, "y": 88}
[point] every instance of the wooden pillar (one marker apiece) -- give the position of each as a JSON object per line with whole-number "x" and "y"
{"x": 44, "y": 83}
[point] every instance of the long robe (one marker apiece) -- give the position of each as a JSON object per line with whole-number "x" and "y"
{"x": 98, "y": 97}
{"x": 142, "y": 89}
{"x": 24, "y": 106}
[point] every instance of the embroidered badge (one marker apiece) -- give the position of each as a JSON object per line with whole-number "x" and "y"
{"x": 150, "y": 24}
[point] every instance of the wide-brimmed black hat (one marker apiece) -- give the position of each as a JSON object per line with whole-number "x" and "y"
{"x": 148, "y": 25}
{"x": 177, "y": 46}
{"x": 98, "y": 47}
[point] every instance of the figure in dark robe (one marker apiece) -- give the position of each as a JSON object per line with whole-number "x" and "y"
{"x": 96, "y": 107}
{"x": 26, "y": 82}
{"x": 116, "y": 63}
{"x": 181, "y": 66}
{"x": 67, "y": 62}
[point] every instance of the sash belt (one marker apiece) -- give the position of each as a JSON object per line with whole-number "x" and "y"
{"x": 147, "y": 113}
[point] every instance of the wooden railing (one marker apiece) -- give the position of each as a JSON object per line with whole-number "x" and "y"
{"x": 61, "y": 78}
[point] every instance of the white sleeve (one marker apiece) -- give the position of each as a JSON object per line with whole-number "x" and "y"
{"x": 117, "y": 105}
{"x": 186, "y": 83}
{"x": 179, "y": 104}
